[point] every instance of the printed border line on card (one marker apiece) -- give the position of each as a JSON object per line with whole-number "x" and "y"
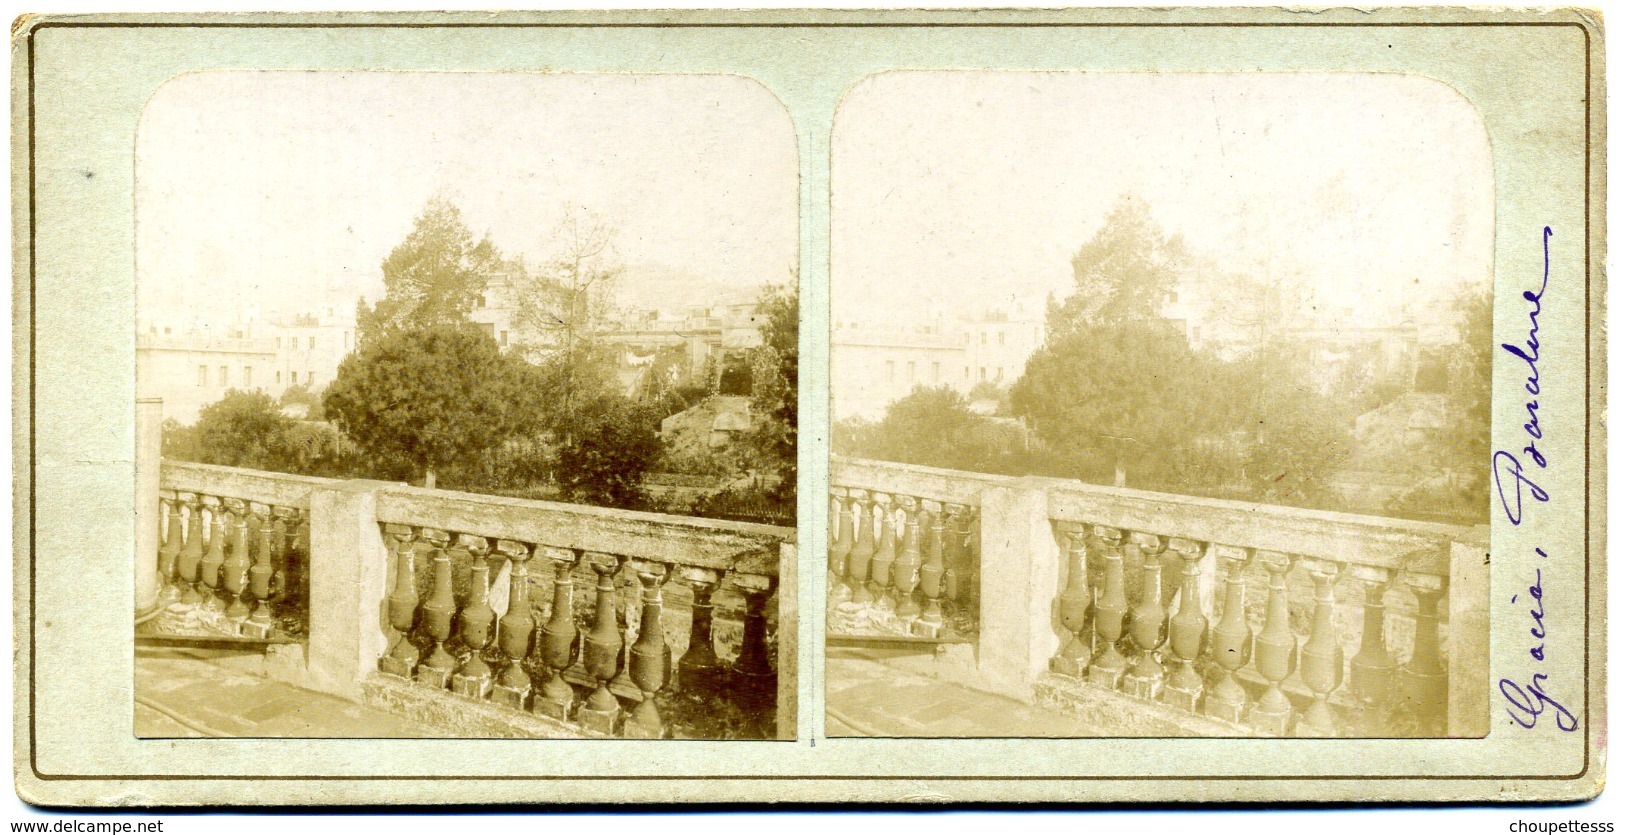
{"x": 1587, "y": 101}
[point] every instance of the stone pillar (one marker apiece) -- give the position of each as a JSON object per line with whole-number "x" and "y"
{"x": 1020, "y": 575}
{"x": 349, "y": 570}
{"x": 149, "y": 442}
{"x": 788, "y": 640}
{"x": 1468, "y": 647}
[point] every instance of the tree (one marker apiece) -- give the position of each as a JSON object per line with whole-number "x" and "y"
{"x": 615, "y": 445}
{"x": 1125, "y": 272}
{"x": 1461, "y": 448}
{"x": 561, "y": 310}
{"x": 566, "y": 303}
{"x": 241, "y": 429}
{"x": 774, "y": 391}
{"x": 434, "y": 277}
{"x": 1120, "y": 394}
{"x": 1290, "y": 435}
{"x": 931, "y": 427}
{"x": 301, "y": 394}
{"x": 419, "y": 400}
{"x": 1469, "y": 395}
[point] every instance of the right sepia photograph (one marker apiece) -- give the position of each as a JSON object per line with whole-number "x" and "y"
{"x": 1160, "y": 406}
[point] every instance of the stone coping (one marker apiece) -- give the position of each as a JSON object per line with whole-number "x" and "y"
{"x": 738, "y": 547}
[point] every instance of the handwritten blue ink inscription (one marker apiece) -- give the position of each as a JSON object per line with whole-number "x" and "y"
{"x": 1509, "y": 467}
{"x": 1527, "y": 702}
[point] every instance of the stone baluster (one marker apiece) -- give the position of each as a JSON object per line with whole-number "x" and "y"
{"x": 560, "y": 639}
{"x": 1187, "y": 629}
{"x": 476, "y": 622}
{"x": 627, "y": 612}
{"x": 516, "y": 629}
{"x": 1148, "y": 620}
{"x": 755, "y": 685}
{"x": 1111, "y": 609}
{"x": 650, "y": 658}
{"x": 438, "y": 610}
{"x": 953, "y": 556}
{"x": 970, "y": 580}
{"x": 1232, "y": 641}
{"x": 169, "y": 512}
{"x": 1275, "y": 651}
{"x": 1371, "y": 670}
{"x": 189, "y": 564}
{"x": 1321, "y": 659}
{"x": 601, "y": 712}
{"x": 906, "y": 570}
{"x": 209, "y": 568}
{"x": 283, "y": 520}
{"x": 863, "y": 549}
{"x": 840, "y": 547}
{"x": 234, "y": 571}
{"x": 880, "y": 568}
{"x": 1073, "y": 605}
{"x": 296, "y": 532}
{"x": 402, "y": 658}
{"x": 169, "y": 554}
{"x": 260, "y": 624}
{"x": 700, "y": 670}
{"x": 929, "y": 624}
{"x": 286, "y": 556}
{"x": 1422, "y": 680}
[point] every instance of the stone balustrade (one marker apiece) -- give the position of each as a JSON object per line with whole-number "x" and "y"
{"x": 904, "y": 551}
{"x": 1209, "y": 617}
{"x": 232, "y": 553}
{"x": 578, "y": 620}
{"x": 602, "y": 659}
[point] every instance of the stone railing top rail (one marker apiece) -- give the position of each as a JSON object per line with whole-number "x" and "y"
{"x": 952, "y": 486}
{"x": 1422, "y": 547}
{"x": 681, "y": 540}
{"x": 280, "y": 489}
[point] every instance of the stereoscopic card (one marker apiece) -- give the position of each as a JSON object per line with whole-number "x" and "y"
{"x": 1169, "y": 405}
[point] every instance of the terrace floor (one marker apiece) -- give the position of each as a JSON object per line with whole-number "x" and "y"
{"x": 195, "y": 693}
{"x": 865, "y": 697}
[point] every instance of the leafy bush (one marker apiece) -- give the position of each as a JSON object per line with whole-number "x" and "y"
{"x": 614, "y": 446}
{"x": 428, "y": 399}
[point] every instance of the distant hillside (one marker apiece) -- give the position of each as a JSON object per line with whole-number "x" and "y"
{"x": 659, "y": 286}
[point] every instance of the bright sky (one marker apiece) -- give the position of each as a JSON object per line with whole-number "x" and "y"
{"x": 286, "y": 190}
{"x": 962, "y": 190}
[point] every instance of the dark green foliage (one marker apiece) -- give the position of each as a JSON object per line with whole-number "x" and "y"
{"x": 614, "y": 444}
{"x": 1117, "y": 388}
{"x": 568, "y": 382}
{"x": 1130, "y": 391}
{"x": 933, "y": 427}
{"x": 301, "y": 395}
{"x": 1463, "y": 445}
{"x": 774, "y": 391}
{"x": 247, "y": 429}
{"x": 425, "y": 399}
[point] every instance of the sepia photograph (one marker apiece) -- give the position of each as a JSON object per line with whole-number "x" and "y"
{"x": 1161, "y": 406}
{"x": 596, "y": 410}
{"x": 467, "y": 406}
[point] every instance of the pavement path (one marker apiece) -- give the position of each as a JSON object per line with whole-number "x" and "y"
{"x": 867, "y": 698}
{"x": 181, "y": 693}
{"x": 188, "y": 693}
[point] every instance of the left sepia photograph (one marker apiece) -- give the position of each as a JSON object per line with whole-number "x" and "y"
{"x": 466, "y": 406}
